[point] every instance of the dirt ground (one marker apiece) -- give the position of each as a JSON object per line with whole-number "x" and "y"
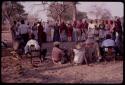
{"x": 47, "y": 72}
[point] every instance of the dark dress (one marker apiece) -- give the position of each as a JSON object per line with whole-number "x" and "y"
{"x": 56, "y": 34}
{"x": 41, "y": 35}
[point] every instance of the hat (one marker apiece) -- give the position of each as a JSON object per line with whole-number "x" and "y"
{"x": 56, "y": 43}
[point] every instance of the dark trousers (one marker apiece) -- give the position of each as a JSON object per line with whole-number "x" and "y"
{"x": 25, "y": 38}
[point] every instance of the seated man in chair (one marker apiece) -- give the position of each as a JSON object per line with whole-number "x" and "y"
{"x": 108, "y": 46}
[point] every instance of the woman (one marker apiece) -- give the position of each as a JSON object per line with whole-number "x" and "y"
{"x": 75, "y": 34}
{"x": 91, "y": 28}
{"x": 63, "y": 30}
{"x": 35, "y": 31}
{"x": 56, "y": 33}
{"x": 69, "y": 32}
{"x": 41, "y": 34}
{"x": 79, "y": 54}
{"x": 48, "y": 31}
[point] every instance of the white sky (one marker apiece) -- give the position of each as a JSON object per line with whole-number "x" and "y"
{"x": 116, "y": 8}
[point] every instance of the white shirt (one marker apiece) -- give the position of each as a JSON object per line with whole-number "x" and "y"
{"x": 91, "y": 25}
{"x": 32, "y": 42}
{"x": 78, "y": 58}
{"x": 108, "y": 42}
{"x": 23, "y": 29}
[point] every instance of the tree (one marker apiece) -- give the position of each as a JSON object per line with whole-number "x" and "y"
{"x": 100, "y": 12}
{"x": 68, "y": 12}
{"x": 56, "y": 10}
{"x": 12, "y": 11}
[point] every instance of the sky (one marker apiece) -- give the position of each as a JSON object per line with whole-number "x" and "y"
{"x": 116, "y": 8}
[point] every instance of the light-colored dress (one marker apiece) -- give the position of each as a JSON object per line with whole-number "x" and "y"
{"x": 79, "y": 55}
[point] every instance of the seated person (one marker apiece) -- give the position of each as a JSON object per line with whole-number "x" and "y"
{"x": 92, "y": 51}
{"x": 31, "y": 42}
{"x": 108, "y": 42}
{"x": 57, "y": 53}
{"x": 79, "y": 54}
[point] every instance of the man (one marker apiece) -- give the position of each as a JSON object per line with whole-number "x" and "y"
{"x": 92, "y": 49}
{"x": 91, "y": 28}
{"x": 57, "y": 53}
{"x": 23, "y": 31}
{"x": 32, "y": 41}
{"x": 108, "y": 41}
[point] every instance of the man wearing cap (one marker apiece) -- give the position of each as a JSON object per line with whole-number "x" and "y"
{"x": 57, "y": 53}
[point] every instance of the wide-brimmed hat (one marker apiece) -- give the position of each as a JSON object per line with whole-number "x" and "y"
{"x": 56, "y": 43}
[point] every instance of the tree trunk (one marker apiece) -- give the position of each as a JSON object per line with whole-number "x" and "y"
{"x": 74, "y": 12}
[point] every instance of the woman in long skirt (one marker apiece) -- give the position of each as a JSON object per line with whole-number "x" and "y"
{"x": 56, "y": 33}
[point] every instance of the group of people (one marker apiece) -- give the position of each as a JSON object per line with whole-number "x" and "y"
{"x": 95, "y": 33}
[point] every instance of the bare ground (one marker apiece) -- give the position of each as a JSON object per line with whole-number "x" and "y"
{"x": 66, "y": 73}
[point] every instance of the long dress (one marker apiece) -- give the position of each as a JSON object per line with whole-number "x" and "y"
{"x": 40, "y": 34}
{"x": 56, "y": 34}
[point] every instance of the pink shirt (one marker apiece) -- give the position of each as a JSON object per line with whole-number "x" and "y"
{"x": 56, "y": 54}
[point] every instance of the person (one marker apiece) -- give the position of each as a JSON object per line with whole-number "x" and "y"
{"x": 108, "y": 42}
{"x": 69, "y": 32}
{"x": 35, "y": 31}
{"x": 75, "y": 34}
{"x": 85, "y": 28}
{"x": 48, "y": 31}
{"x": 23, "y": 32}
{"x": 91, "y": 28}
{"x": 92, "y": 51}
{"x": 41, "y": 34}
{"x": 79, "y": 54}
{"x": 101, "y": 31}
{"x": 56, "y": 36}
{"x": 32, "y": 41}
{"x": 63, "y": 30}
{"x": 79, "y": 27}
{"x": 14, "y": 32}
{"x": 57, "y": 53}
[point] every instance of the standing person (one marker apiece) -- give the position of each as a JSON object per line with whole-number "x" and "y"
{"x": 102, "y": 31}
{"x": 85, "y": 28}
{"x": 91, "y": 28}
{"x": 118, "y": 31}
{"x": 48, "y": 31}
{"x": 35, "y": 31}
{"x": 13, "y": 32}
{"x": 69, "y": 32}
{"x": 24, "y": 31}
{"x": 52, "y": 31}
{"x": 56, "y": 36}
{"x": 75, "y": 34}
{"x": 63, "y": 30}
{"x": 40, "y": 33}
{"x": 79, "y": 27}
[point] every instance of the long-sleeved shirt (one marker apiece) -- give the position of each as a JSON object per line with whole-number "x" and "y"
{"x": 31, "y": 42}
{"x": 23, "y": 29}
{"x": 108, "y": 42}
